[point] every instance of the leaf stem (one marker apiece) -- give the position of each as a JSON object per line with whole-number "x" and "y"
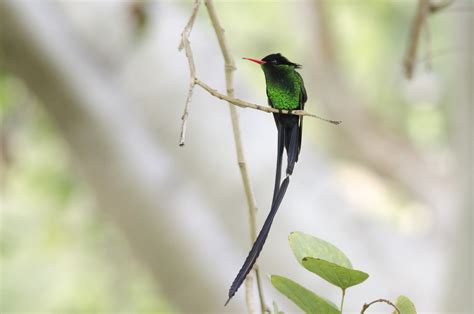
{"x": 342, "y": 299}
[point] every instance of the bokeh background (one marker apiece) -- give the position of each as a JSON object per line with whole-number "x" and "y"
{"x": 102, "y": 212}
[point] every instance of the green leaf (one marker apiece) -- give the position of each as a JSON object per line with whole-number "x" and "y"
{"x": 304, "y": 298}
{"x": 405, "y": 305}
{"x": 325, "y": 260}
{"x": 337, "y": 275}
{"x": 304, "y": 245}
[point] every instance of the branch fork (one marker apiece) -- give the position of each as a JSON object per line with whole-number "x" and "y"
{"x": 229, "y": 67}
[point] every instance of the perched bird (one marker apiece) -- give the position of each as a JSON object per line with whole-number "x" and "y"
{"x": 285, "y": 91}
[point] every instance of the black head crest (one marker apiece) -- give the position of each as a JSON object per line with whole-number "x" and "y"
{"x": 279, "y": 59}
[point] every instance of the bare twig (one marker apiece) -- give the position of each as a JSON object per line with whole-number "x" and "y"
{"x": 425, "y": 7}
{"x": 366, "y": 306}
{"x": 192, "y": 68}
{"x": 184, "y": 117}
{"x": 245, "y": 104}
{"x": 229, "y": 67}
{"x": 249, "y": 294}
{"x": 416, "y": 27}
{"x": 436, "y": 7}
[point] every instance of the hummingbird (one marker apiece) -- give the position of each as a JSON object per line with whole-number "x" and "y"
{"x": 285, "y": 91}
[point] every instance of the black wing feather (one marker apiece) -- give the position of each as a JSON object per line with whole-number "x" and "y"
{"x": 303, "y": 99}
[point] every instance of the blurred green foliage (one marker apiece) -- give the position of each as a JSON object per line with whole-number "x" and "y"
{"x": 57, "y": 252}
{"x": 371, "y": 38}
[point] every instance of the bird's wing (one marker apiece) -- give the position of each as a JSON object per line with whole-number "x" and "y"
{"x": 303, "y": 99}
{"x": 274, "y": 114}
{"x": 268, "y": 98}
{"x": 303, "y": 95}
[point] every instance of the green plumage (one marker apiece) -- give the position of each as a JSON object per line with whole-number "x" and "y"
{"x": 284, "y": 86}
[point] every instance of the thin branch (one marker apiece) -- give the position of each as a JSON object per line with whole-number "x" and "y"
{"x": 436, "y": 7}
{"x": 184, "y": 117}
{"x": 192, "y": 68}
{"x": 229, "y": 60}
{"x": 424, "y": 9}
{"x": 249, "y": 294}
{"x": 245, "y": 104}
{"x": 366, "y": 306}
{"x": 416, "y": 27}
{"x": 229, "y": 67}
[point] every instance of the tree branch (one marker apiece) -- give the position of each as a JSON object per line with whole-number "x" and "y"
{"x": 366, "y": 306}
{"x": 416, "y": 27}
{"x": 436, "y": 7}
{"x": 192, "y": 68}
{"x": 425, "y": 7}
{"x": 237, "y": 102}
{"x": 229, "y": 67}
{"x": 245, "y": 104}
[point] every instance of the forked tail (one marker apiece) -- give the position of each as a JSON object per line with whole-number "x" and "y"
{"x": 258, "y": 245}
{"x": 288, "y": 137}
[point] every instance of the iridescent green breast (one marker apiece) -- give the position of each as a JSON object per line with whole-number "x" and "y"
{"x": 284, "y": 88}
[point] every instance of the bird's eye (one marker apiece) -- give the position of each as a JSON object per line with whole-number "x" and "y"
{"x": 274, "y": 61}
